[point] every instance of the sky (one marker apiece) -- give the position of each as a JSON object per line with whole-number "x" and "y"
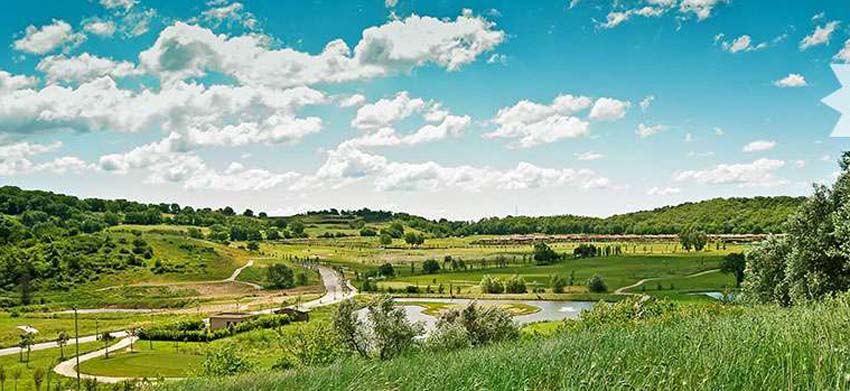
{"x": 455, "y": 109}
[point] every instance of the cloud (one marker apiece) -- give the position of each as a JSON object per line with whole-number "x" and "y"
{"x": 103, "y": 28}
{"x": 666, "y": 191}
{"x": 760, "y": 172}
{"x": 743, "y": 43}
{"x": 387, "y": 111}
{"x": 378, "y": 118}
{"x": 701, "y": 8}
{"x": 14, "y": 158}
{"x": 124, "y": 5}
{"x": 230, "y": 15}
{"x": 646, "y": 102}
{"x": 351, "y": 100}
{"x": 820, "y": 36}
{"x": 10, "y": 82}
{"x": 759, "y": 146}
{"x": 608, "y": 109}
{"x": 390, "y": 3}
{"x": 100, "y": 105}
{"x": 843, "y": 54}
{"x": 792, "y": 80}
{"x": 184, "y": 50}
{"x": 719, "y": 132}
{"x": 615, "y": 18}
{"x": 531, "y": 123}
{"x": 590, "y": 155}
{"x": 345, "y": 165}
{"x": 645, "y": 131}
{"x": 83, "y": 68}
{"x": 48, "y": 38}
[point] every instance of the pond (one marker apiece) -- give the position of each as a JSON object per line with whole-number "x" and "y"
{"x": 549, "y": 310}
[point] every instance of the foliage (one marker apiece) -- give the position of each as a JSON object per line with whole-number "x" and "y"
{"x": 386, "y": 270}
{"x": 585, "y": 251}
{"x": 311, "y": 344}
{"x": 195, "y": 331}
{"x": 280, "y": 276}
{"x": 812, "y": 261}
{"x": 544, "y": 255}
{"x": 693, "y": 238}
{"x": 430, "y": 266}
{"x": 557, "y": 282}
{"x": 414, "y": 239}
{"x": 392, "y": 333}
{"x": 515, "y": 284}
{"x": 349, "y": 329}
{"x": 489, "y": 284}
{"x": 734, "y": 263}
{"x": 225, "y": 361}
{"x": 596, "y": 284}
{"x": 483, "y": 324}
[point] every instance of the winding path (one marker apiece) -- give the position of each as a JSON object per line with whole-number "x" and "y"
{"x": 622, "y": 290}
{"x": 337, "y": 289}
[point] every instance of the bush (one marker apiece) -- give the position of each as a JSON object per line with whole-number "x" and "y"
{"x": 194, "y": 331}
{"x": 596, "y": 284}
{"x": 515, "y": 284}
{"x": 386, "y": 270}
{"x": 448, "y": 337}
{"x": 368, "y": 232}
{"x": 483, "y": 324}
{"x": 585, "y": 251}
{"x": 490, "y": 284}
{"x": 430, "y": 266}
{"x": 225, "y": 361}
{"x": 557, "y": 283}
{"x": 628, "y": 311}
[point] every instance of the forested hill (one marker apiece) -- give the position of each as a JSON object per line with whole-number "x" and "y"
{"x": 719, "y": 215}
{"x": 40, "y": 213}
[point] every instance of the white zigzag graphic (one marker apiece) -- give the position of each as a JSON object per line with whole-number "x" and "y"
{"x": 840, "y": 100}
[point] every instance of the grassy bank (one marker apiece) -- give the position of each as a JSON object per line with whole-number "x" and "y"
{"x": 707, "y": 349}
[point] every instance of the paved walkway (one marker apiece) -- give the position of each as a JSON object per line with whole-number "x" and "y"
{"x": 622, "y": 290}
{"x": 336, "y": 287}
{"x": 51, "y": 345}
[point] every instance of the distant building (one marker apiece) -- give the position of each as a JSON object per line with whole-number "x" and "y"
{"x": 294, "y": 314}
{"x": 227, "y": 319}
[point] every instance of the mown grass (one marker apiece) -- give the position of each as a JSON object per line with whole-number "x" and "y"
{"x": 805, "y": 348}
{"x": 149, "y": 360}
{"x": 45, "y": 360}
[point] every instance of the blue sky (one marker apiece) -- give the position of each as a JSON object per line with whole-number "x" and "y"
{"x": 440, "y": 108}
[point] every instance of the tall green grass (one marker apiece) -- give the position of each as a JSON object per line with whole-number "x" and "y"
{"x": 714, "y": 348}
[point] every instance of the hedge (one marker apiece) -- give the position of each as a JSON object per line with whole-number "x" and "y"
{"x": 195, "y": 331}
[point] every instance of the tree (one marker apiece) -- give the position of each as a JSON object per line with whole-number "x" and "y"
{"x": 25, "y": 343}
{"x": 61, "y": 341}
{"x": 350, "y": 329}
{"x": 544, "y": 255}
{"x": 248, "y": 213}
{"x": 386, "y": 239}
{"x": 273, "y": 234}
{"x": 16, "y": 375}
{"x": 132, "y": 332}
{"x": 253, "y": 245}
{"x": 280, "y": 276}
{"x": 296, "y": 227}
{"x": 585, "y": 251}
{"x": 386, "y": 270}
{"x": 482, "y": 325}
{"x": 392, "y": 332}
{"x": 414, "y": 239}
{"x": 106, "y": 338}
{"x": 811, "y": 260}
{"x": 2, "y": 378}
{"x": 596, "y": 284}
{"x": 368, "y": 232}
{"x": 764, "y": 276}
{"x": 734, "y": 263}
{"x": 430, "y": 266}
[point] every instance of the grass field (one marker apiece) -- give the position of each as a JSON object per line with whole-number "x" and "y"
{"x": 45, "y": 360}
{"x": 764, "y": 348}
{"x": 617, "y": 271}
{"x": 150, "y": 360}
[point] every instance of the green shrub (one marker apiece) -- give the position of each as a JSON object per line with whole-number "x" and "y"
{"x": 596, "y": 284}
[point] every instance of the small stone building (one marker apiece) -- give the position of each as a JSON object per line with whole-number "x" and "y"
{"x": 227, "y": 319}
{"x": 294, "y": 314}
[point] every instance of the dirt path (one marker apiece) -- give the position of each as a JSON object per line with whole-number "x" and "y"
{"x": 622, "y": 290}
{"x": 337, "y": 289}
